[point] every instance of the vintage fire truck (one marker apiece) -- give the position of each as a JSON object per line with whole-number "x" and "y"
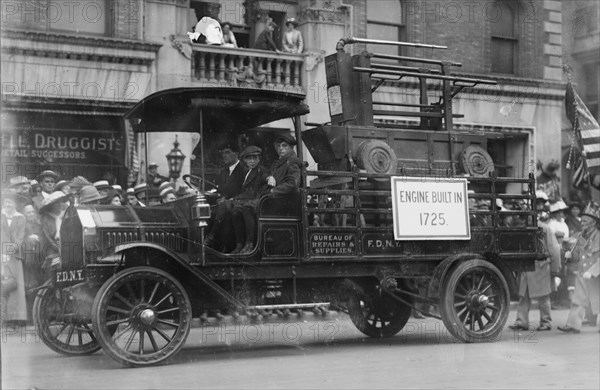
{"x": 384, "y": 223}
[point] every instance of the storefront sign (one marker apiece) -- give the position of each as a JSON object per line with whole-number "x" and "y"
{"x": 430, "y": 208}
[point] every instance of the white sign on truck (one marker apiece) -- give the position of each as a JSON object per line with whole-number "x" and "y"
{"x": 430, "y": 208}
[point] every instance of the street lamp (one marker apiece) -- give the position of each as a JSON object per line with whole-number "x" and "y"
{"x": 175, "y": 160}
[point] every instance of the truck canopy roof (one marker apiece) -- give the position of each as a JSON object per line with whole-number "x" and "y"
{"x": 223, "y": 109}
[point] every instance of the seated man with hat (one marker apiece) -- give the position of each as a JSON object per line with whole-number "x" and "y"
{"x": 140, "y": 193}
{"x": 167, "y": 195}
{"x": 103, "y": 187}
{"x": 244, "y": 204}
{"x": 285, "y": 172}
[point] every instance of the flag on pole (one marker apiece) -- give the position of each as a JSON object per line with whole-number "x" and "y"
{"x": 131, "y": 157}
{"x": 587, "y": 135}
{"x": 579, "y": 173}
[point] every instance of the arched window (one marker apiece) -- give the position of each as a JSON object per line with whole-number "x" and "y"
{"x": 503, "y": 17}
{"x": 385, "y": 21}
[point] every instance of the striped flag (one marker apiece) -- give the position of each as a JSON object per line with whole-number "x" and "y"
{"x": 132, "y": 161}
{"x": 579, "y": 173}
{"x": 587, "y": 133}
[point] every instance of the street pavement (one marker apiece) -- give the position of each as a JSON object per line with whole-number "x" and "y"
{"x": 322, "y": 352}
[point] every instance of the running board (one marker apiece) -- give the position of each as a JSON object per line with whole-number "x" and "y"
{"x": 288, "y": 306}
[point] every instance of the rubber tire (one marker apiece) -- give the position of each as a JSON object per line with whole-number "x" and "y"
{"x": 364, "y": 308}
{"x": 450, "y": 316}
{"x": 104, "y": 335}
{"x": 40, "y": 304}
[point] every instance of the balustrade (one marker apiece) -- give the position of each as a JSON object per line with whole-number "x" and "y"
{"x": 247, "y": 68}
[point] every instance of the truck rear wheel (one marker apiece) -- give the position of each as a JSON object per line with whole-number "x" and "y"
{"x": 152, "y": 313}
{"x": 377, "y": 315}
{"x": 59, "y": 326}
{"x": 475, "y": 301}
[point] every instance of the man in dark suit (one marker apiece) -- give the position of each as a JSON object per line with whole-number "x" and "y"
{"x": 229, "y": 184}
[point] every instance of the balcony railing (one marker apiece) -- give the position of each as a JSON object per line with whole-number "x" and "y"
{"x": 247, "y": 68}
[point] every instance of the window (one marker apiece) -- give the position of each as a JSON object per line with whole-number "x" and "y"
{"x": 504, "y": 38}
{"x": 88, "y": 17}
{"x": 384, "y": 21}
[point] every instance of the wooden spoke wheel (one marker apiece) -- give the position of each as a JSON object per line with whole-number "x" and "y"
{"x": 151, "y": 311}
{"x": 59, "y": 327}
{"x": 377, "y": 315}
{"x": 475, "y": 301}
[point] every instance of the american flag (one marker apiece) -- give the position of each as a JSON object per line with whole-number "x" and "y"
{"x": 587, "y": 134}
{"x": 131, "y": 158}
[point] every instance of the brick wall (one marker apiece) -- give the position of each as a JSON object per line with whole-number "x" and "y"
{"x": 465, "y": 27}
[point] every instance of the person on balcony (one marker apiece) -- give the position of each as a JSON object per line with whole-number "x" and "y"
{"x": 292, "y": 39}
{"x": 228, "y": 36}
{"x": 265, "y": 41}
{"x": 285, "y": 172}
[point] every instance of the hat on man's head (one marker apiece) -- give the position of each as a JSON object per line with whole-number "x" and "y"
{"x": 18, "y": 181}
{"x": 48, "y": 173}
{"x": 130, "y": 191}
{"x": 61, "y": 184}
{"x": 250, "y": 151}
{"x": 167, "y": 190}
{"x": 78, "y": 183}
{"x": 592, "y": 210}
{"x": 102, "y": 185}
{"x": 117, "y": 188}
{"x": 292, "y": 21}
{"x": 229, "y": 145}
{"x": 541, "y": 196}
{"x": 55, "y": 197}
{"x": 558, "y": 206}
{"x": 286, "y": 138}
{"x": 140, "y": 188}
{"x": 152, "y": 164}
{"x": 163, "y": 185}
{"x": 90, "y": 194}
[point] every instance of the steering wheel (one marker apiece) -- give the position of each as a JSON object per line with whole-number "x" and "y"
{"x": 194, "y": 182}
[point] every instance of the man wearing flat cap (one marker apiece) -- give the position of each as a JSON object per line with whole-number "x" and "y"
{"x": 47, "y": 180}
{"x": 285, "y": 172}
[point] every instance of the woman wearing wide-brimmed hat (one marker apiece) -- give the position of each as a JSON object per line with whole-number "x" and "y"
{"x": 292, "y": 38}
{"x": 51, "y": 216}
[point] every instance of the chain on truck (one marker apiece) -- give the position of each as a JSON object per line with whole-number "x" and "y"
{"x": 382, "y": 227}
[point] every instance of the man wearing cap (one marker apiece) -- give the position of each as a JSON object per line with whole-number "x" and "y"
{"x": 538, "y": 283}
{"x": 167, "y": 195}
{"x": 47, "y": 180}
{"x": 103, "y": 187}
{"x": 132, "y": 200}
{"x": 557, "y": 218}
{"x": 587, "y": 282}
{"x": 244, "y": 204}
{"x": 140, "y": 193}
{"x": 285, "y": 172}
{"x": 21, "y": 186}
{"x": 155, "y": 178}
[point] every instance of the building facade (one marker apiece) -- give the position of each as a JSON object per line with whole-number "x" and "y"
{"x": 69, "y": 70}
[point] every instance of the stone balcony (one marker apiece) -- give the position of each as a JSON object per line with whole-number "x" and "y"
{"x": 247, "y": 68}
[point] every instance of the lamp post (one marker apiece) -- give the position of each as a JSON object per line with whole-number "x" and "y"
{"x": 175, "y": 160}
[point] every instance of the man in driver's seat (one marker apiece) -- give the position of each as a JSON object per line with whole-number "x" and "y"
{"x": 229, "y": 184}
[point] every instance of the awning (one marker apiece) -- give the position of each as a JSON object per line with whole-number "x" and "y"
{"x": 223, "y": 109}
